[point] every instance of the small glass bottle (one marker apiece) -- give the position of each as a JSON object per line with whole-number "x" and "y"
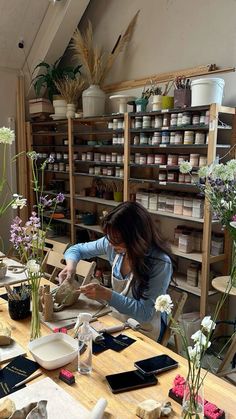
{"x": 85, "y": 339}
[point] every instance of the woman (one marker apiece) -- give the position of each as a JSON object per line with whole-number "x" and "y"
{"x": 141, "y": 265}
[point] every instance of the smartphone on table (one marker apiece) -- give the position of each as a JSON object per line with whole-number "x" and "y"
{"x": 129, "y": 380}
{"x": 156, "y": 364}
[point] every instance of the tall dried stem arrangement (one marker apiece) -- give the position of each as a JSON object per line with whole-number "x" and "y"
{"x": 95, "y": 61}
{"x": 70, "y": 89}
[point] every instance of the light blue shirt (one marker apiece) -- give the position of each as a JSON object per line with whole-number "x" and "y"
{"x": 159, "y": 278}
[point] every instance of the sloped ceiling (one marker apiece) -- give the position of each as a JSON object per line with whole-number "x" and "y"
{"x": 19, "y": 19}
{"x": 45, "y": 26}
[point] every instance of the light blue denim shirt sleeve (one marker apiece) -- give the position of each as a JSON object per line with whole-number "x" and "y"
{"x": 90, "y": 250}
{"x": 143, "y": 310}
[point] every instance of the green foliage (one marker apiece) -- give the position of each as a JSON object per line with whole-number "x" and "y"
{"x": 52, "y": 73}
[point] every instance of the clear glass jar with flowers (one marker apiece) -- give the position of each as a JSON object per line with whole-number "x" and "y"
{"x": 29, "y": 239}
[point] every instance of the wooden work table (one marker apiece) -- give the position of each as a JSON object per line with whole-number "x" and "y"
{"x": 88, "y": 389}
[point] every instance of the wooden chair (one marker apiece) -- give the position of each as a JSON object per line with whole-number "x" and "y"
{"x": 223, "y": 370}
{"x": 56, "y": 246}
{"x": 178, "y": 298}
{"x": 55, "y": 260}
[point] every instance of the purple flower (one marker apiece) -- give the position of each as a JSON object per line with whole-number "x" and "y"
{"x": 60, "y": 198}
{"x": 45, "y": 202}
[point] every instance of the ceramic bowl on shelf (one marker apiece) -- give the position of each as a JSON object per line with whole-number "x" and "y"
{"x": 53, "y": 351}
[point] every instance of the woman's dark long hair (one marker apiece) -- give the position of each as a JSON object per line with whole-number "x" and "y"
{"x": 132, "y": 224}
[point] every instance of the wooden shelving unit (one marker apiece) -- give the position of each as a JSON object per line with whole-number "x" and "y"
{"x": 93, "y": 135}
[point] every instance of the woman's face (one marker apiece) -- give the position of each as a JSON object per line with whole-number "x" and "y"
{"x": 117, "y": 243}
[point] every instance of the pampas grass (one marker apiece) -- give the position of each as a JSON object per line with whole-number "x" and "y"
{"x": 70, "y": 89}
{"x": 95, "y": 61}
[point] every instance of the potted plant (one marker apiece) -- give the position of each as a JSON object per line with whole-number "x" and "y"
{"x": 52, "y": 74}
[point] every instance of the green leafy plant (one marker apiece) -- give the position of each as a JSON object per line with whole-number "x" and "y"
{"x": 52, "y": 73}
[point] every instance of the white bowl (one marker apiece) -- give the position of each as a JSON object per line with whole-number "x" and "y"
{"x": 53, "y": 351}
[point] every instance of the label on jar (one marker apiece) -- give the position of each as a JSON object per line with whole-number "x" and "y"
{"x": 199, "y": 138}
{"x": 158, "y": 121}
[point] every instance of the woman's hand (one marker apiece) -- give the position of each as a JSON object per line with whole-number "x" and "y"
{"x": 68, "y": 271}
{"x": 96, "y": 292}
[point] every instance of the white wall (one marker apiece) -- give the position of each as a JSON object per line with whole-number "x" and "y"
{"x": 169, "y": 35}
{"x": 8, "y": 83}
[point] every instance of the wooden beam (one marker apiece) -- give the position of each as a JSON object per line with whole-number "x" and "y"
{"x": 165, "y": 77}
{"x": 22, "y": 168}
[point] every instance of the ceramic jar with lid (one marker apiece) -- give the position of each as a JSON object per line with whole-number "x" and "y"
{"x": 179, "y": 137}
{"x": 186, "y": 118}
{"x": 108, "y": 157}
{"x": 156, "y": 138}
{"x": 166, "y": 120}
{"x": 162, "y": 176}
{"x": 165, "y": 137}
{"x": 110, "y": 171}
{"x": 89, "y": 155}
{"x": 150, "y": 158}
{"x": 188, "y": 137}
{"x": 138, "y": 122}
{"x": 179, "y": 120}
{"x": 120, "y": 124}
{"x": 199, "y": 137}
{"x": 172, "y": 160}
{"x": 160, "y": 159}
{"x": 61, "y": 167}
{"x": 173, "y": 119}
{"x": 194, "y": 159}
{"x": 143, "y": 138}
{"x": 172, "y": 176}
{"x": 115, "y": 123}
{"x": 113, "y": 157}
{"x": 146, "y": 121}
{"x": 158, "y": 121}
{"x": 196, "y": 119}
{"x": 202, "y": 161}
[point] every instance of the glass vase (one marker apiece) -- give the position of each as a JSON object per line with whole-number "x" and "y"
{"x": 35, "y": 327}
{"x": 193, "y": 400}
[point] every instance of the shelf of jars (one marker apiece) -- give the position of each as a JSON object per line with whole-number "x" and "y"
{"x": 177, "y": 185}
{"x": 196, "y": 256}
{"x": 181, "y": 282}
{"x": 97, "y": 200}
{"x": 176, "y": 216}
{"x": 95, "y": 227}
{"x": 98, "y": 162}
{"x": 97, "y": 175}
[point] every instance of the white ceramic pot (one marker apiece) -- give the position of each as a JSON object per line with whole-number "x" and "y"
{"x": 70, "y": 113}
{"x": 156, "y": 102}
{"x": 93, "y": 100}
{"x": 59, "y": 107}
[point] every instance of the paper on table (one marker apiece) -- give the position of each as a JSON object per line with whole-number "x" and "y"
{"x": 60, "y": 404}
{"x": 11, "y": 351}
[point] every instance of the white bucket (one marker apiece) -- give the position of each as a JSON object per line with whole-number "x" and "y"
{"x": 206, "y": 91}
